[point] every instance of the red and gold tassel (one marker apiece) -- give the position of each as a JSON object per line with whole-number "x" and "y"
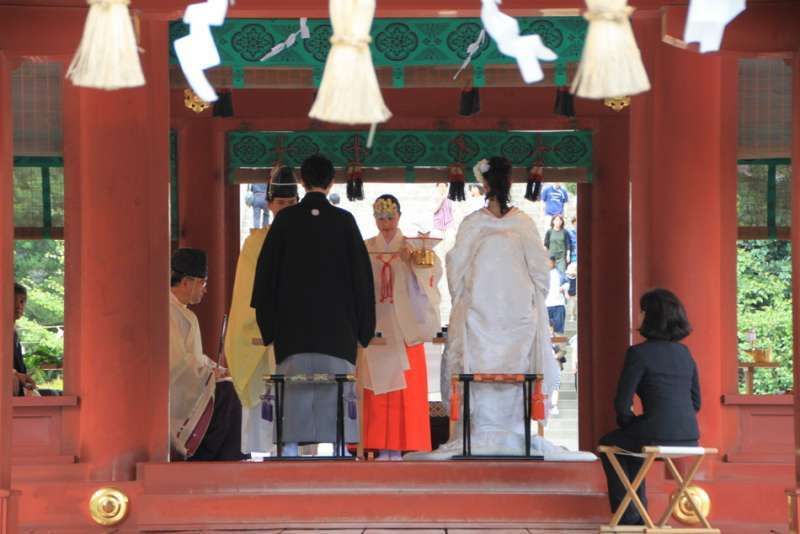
{"x": 538, "y": 402}
{"x": 455, "y": 175}
{"x": 455, "y": 400}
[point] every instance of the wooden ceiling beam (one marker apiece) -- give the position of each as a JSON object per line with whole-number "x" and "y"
{"x": 422, "y": 175}
{"x": 414, "y": 77}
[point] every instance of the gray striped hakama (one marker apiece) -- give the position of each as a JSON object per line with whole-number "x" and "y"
{"x": 309, "y": 410}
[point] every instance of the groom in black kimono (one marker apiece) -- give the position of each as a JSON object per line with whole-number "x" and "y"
{"x": 314, "y": 300}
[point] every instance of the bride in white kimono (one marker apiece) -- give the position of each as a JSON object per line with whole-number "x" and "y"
{"x": 498, "y": 277}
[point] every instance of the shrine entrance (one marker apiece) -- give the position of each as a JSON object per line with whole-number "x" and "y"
{"x": 639, "y": 211}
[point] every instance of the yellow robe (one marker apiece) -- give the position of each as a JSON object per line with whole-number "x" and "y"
{"x": 247, "y": 363}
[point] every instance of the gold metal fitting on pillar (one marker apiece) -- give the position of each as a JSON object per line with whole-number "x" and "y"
{"x": 618, "y": 103}
{"x": 684, "y": 512}
{"x": 108, "y": 506}
{"x": 194, "y": 102}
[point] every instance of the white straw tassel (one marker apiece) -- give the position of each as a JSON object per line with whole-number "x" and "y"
{"x": 611, "y": 64}
{"x": 349, "y": 92}
{"x": 108, "y": 57}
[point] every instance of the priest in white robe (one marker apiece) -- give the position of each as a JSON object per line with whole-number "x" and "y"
{"x": 393, "y": 370}
{"x": 205, "y": 415}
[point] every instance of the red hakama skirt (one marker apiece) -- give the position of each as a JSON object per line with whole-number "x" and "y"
{"x": 399, "y": 420}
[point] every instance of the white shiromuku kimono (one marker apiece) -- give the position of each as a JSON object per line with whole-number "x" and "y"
{"x": 407, "y": 315}
{"x": 249, "y": 362}
{"x": 191, "y": 375}
{"x": 498, "y": 277}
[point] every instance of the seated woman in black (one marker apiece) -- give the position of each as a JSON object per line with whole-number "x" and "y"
{"x": 663, "y": 374}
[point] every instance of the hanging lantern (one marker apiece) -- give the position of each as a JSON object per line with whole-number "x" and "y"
{"x": 565, "y": 103}
{"x": 108, "y": 55}
{"x": 470, "y": 103}
{"x": 223, "y": 107}
{"x": 194, "y": 102}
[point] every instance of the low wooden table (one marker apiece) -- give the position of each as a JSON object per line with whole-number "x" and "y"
{"x": 749, "y": 370}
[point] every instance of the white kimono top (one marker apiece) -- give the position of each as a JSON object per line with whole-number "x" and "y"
{"x": 407, "y": 312}
{"x": 498, "y": 277}
{"x": 191, "y": 374}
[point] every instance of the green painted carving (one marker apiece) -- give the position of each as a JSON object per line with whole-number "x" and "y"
{"x": 408, "y": 149}
{"x": 396, "y": 43}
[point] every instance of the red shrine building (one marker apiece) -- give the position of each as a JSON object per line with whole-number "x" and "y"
{"x": 142, "y": 173}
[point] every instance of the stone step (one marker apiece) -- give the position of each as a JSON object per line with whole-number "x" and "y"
{"x": 259, "y": 495}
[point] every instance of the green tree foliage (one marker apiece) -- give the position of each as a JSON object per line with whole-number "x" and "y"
{"x": 39, "y": 266}
{"x": 765, "y": 306}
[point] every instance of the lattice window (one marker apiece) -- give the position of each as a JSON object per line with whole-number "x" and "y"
{"x": 765, "y": 108}
{"x": 764, "y": 199}
{"x": 36, "y": 102}
{"x": 36, "y": 89}
{"x": 38, "y": 197}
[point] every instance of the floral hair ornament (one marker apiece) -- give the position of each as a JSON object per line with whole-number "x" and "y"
{"x": 385, "y": 208}
{"x": 481, "y": 168}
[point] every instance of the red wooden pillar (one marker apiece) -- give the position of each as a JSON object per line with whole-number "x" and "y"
{"x": 201, "y": 186}
{"x": 7, "y": 512}
{"x": 606, "y": 319}
{"x": 794, "y": 494}
{"x": 692, "y": 237}
{"x": 121, "y": 238}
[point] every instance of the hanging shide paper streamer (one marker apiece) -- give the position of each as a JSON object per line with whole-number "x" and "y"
{"x": 471, "y": 49}
{"x": 349, "y": 92}
{"x": 198, "y": 51}
{"x": 303, "y": 33}
{"x": 108, "y": 56}
{"x": 706, "y": 21}
{"x": 526, "y": 49}
{"x": 611, "y": 64}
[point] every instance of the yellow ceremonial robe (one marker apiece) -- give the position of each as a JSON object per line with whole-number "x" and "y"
{"x": 247, "y": 362}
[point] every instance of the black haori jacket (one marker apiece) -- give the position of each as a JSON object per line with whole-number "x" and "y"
{"x": 313, "y": 289}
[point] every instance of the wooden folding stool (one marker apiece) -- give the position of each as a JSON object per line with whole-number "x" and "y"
{"x": 650, "y": 455}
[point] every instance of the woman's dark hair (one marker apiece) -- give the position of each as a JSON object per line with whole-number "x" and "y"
{"x": 498, "y": 178}
{"x": 19, "y": 289}
{"x": 553, "y": 221}
{"x": 317, "y": 171}
{"x": 393, "y": 199}
{"x": 664, "y": 316}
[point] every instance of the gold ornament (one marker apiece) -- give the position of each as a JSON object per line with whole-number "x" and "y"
{"x": 618, "y": 103}
{"x": 423, "y": 258}
{"x": 384, "y": 208}
{"x": 684, "y": 512}
{"x": 108, "y": 506}
{"x": 194, "y": 102}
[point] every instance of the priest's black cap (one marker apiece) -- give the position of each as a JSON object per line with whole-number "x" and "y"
{"x": 190, "y": 262}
